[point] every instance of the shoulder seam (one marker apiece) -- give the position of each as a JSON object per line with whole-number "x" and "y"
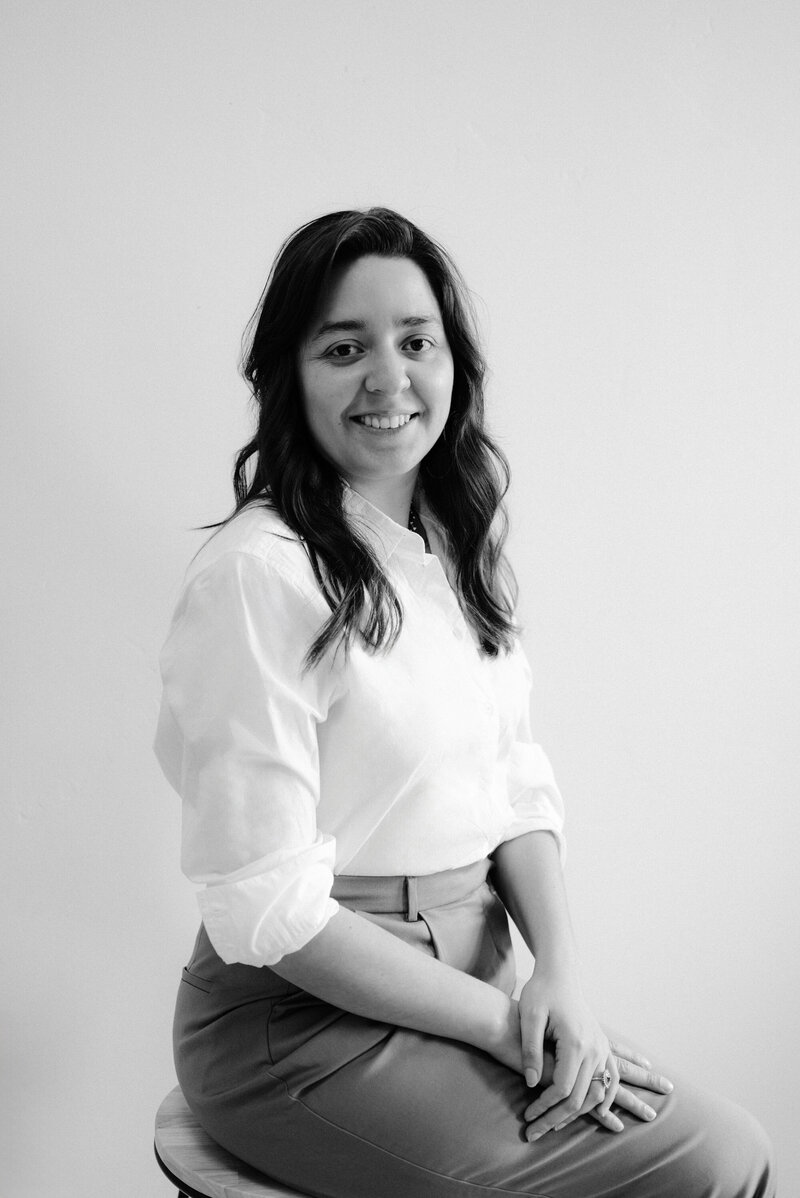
{"x": 269, "y": 565}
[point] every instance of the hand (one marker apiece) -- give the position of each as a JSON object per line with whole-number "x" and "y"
{"x": 635, "y": 1070}
{"x": 632, "y": 1068}
{"x": 552, "y": 1009}
{"x": 505, "y": 1043}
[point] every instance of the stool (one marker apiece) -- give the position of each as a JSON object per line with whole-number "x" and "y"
{"x": 198, "y": 1166}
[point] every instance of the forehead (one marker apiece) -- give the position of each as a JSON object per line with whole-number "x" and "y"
{"x": 373, "y": 286}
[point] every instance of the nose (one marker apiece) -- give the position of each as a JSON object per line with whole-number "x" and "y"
{"x": 387, "y": 374}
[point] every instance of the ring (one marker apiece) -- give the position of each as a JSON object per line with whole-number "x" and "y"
{"x": 604, "y": 1077}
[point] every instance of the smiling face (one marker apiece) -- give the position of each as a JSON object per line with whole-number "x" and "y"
{"x": 376, "y": 374}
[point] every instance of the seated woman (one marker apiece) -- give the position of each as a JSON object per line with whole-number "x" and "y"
{"x": 345, "y": 716}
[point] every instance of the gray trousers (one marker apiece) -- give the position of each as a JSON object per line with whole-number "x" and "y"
{"x": 345, "y": 1107}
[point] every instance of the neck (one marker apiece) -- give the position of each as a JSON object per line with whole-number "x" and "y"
{"x": 391, "y": 496}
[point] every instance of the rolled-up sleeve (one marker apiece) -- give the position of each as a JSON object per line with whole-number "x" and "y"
{"x": 532, "y": 791}
{"x": 237, "y": 739}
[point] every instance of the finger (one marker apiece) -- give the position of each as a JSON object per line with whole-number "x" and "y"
{"x": 532, "y": 1032}
{"x": 555, "y": 1095}
{"x": 622, "y": 1050}
{"x": 546, "y": 1101}
{"x": 607, "y": 1119}
{"x": 555, "y": 1118}
{"x": 552, "y": 1109}
{"x": 595, "y": 1094}
{"x": 563, "y": 1113}
{"x": 571, "y": 1080}
{"x": 646, "y": 1079}
{"x": 629, "y": 1101}
{"x": 588, "y": 1090}
{"x": 611, "y": 1091}
{"x": 569, "y": 1062}
{"x": 586, "y": 1094}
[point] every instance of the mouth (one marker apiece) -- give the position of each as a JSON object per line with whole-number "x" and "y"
{"x": 382, "y": 423}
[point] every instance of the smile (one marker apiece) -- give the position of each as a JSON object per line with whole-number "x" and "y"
{"x": 398, "y": 420}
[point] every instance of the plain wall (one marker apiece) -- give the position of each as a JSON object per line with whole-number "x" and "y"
{"x": 620, "y": 184}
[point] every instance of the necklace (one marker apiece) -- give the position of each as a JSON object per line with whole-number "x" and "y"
{"x": 416, "y": 525}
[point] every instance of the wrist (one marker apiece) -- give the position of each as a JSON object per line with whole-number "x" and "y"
{"x": 557, "y": 961}
{"x": 499, "y": 1033}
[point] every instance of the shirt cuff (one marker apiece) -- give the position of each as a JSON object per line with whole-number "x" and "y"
{"x": 535, "y": 798}
{"x": 537, "y": 823}
{"x": 258, "y": 919}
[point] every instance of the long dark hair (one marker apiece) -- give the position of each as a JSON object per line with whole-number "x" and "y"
{"x": 464, "y": 476}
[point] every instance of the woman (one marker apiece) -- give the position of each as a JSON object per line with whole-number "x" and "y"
{"x": 345, "y": 716}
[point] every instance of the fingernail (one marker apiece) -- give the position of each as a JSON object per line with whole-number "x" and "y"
{"x": 535, "y": 1135}
{"x": 668, "y": 1086}
{"x": 560, "y": 1125}
{"x": 649, "y": 1112}
{"x": 617, "y": 1124}
{"x": 531, "y": 1077}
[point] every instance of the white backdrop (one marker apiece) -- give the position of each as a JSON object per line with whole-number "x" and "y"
{"x": 620, "y": 184}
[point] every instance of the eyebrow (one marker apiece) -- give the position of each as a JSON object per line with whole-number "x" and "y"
{"x": 358, "y": 326}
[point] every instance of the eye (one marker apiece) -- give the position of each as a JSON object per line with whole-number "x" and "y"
{"x": 343, "y": 351}
{"x": 418, "y": 345}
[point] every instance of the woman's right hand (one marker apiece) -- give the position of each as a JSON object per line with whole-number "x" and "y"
{"x": 506, "y": 1044}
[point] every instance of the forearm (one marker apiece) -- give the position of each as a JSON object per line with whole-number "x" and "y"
{"x": 354, "y": 964}
{"x": 529, "y": 879}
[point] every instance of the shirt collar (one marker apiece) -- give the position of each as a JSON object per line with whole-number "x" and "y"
{"x": 385, "y": 536}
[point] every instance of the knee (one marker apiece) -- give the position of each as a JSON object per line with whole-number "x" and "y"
{"x": 739, "y": 1158}
{"x": 761, "y": 1161}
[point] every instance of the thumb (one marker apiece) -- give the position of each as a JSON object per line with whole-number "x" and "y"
{"x": 532, "y": 1030}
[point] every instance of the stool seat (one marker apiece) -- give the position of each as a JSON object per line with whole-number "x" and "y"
{"x": 195, "y": 1163}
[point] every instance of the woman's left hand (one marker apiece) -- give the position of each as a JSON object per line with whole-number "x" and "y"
{"x": 634, "y": 1070}
{"x": 552, "y": 1008}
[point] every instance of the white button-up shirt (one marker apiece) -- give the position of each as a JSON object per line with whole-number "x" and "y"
{"x": 409, "y": 761}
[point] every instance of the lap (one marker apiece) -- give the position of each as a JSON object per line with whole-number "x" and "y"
{"x": 364, "y": 1110}
{"x": 344, "y": 1107}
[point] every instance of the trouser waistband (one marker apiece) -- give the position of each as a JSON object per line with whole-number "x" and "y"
{"x": 406, "y": 895}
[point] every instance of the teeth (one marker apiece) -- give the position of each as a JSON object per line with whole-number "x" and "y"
{"x": 396, "y": 421}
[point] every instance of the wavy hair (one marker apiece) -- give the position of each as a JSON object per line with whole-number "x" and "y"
{"x": 464, "y": 476}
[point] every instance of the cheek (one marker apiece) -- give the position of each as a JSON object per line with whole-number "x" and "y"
{"x": 447, "y": 367}
{"x": 319, "y": 395}
{"x": 441, "y": 385}
{"x": 436, "y": 380}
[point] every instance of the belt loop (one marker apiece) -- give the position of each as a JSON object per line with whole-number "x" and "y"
{"x": 412, "y": 910}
